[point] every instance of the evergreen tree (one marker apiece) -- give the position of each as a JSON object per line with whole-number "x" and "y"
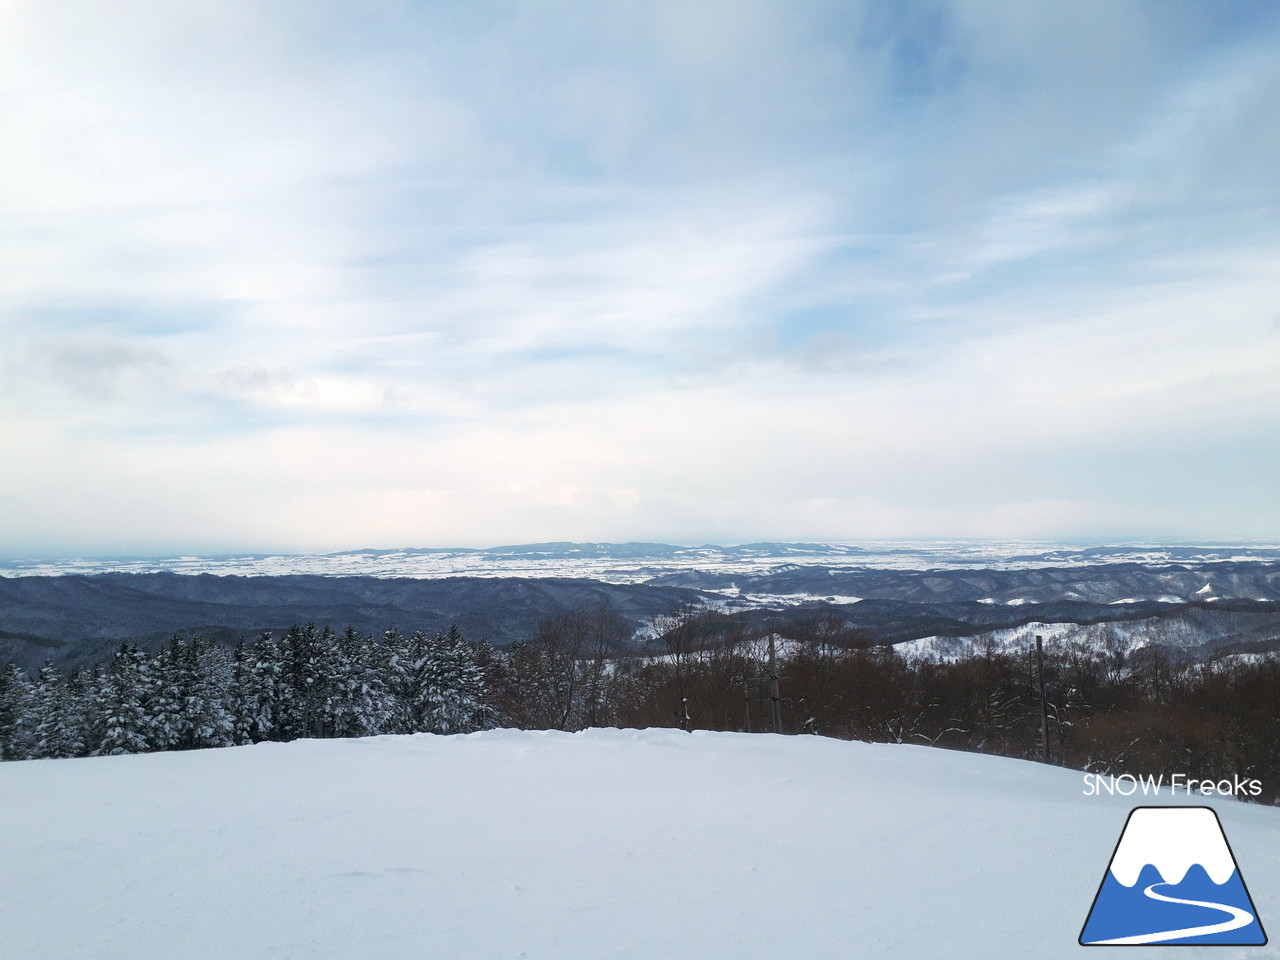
{"x": 450, "y": 691}
{"x": 121, "y": 718}
{"x": 85, "y": 686}
{"x": 359, "y": 704}
{"x": 16, "y": 697}
{"x": 163, "y": 679}
{"x": 244, "y": 695}
{"x": 207, "y": 706}
{"x": 258, "y": 696}
{"x": 307, "y": 653}
{"x": 55, "y": 716}
{"x": 396, "y": 665}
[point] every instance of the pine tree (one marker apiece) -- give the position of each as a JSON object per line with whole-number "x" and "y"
{"x": 209, "y": 694}
{"x": 121, "y": 719}
{"x": 263, "y": 698}
{"x": 358, "y": 701}
{"x": 163, "y": 679}
{"x": 450, "y": 689}
{"x": 244, "y": 695}
{"x": 85, "y": 686}
{"x": 396, "y": 664}
{"x": 16, "y": 697}
{"x": 55, "y": 722}
{"x": 308, "y": 653}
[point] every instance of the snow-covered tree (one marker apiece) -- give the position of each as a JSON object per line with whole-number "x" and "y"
{"x": 449, "y": 693}
{"x": 307, "y": 654}
{"x": 16, "y": 696}
{"x": 359, "y": 703}
{"x": 164, "y": 679}
{"x": 56, "y": 728}
{"x": 395, "y": 658}
{"x": 259, "y": 691}
{"x": 209, "y": 696}
{"x": 121, "y": 720}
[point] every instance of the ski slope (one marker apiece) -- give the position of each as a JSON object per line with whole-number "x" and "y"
{"x": 652, "y": 845}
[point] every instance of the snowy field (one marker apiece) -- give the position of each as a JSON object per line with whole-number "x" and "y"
{"x": 653, "y": 845}
{"x": 613, "y": 563}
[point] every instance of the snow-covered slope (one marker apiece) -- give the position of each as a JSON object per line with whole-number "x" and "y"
{"x": 604, "y": 844}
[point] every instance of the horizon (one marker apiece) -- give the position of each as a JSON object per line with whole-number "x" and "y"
{"x": 311, "y": 275}
{"x": 994, "y": 549}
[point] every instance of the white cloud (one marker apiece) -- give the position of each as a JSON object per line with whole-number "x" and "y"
{"x": 315, "y": 275}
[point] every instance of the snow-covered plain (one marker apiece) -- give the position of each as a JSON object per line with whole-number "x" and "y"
{"x": 654, "y": 845}
{"x": 635, "y": 563}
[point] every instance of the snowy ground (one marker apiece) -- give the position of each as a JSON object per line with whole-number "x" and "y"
{"x": 1129, "y": 635}
{"x": 654, "y": 845}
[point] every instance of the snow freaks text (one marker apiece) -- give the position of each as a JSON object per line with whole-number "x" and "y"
{"x": 1154, "y": 785}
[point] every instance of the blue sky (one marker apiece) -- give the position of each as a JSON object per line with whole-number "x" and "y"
{"x": 322, "y": 275}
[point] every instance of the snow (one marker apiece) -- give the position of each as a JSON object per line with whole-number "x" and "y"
{"x": 735, "y": 599}
{"x": 626, "y": 566}
{"x": 1011, "y": 640}
{"x": 1128, "y": 635}
{"x": 604, "y": 844}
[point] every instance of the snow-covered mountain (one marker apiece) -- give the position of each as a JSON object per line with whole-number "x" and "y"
{"x": 629, "y": 845}
{"x": 1201, "y": 599}
{"x": 79, "y": 620}
{"x": 1172, "y": 844}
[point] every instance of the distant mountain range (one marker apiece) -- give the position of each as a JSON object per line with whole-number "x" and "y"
{"x": 1207, "y": 600}
{"x": 1094, "y": 583}
{"x": 80, "y": 619}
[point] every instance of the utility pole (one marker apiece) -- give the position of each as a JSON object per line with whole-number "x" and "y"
{"x": 1044, "y": 706}
{"x": 774, "y": 696}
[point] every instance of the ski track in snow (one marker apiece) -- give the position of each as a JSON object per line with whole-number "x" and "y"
{"x": 1239, "y": 918}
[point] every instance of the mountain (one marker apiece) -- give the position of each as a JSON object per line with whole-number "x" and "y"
{"x": 77, "y": 620}
{"x": 1100, "y": 583}
{"x": 1231, "y": 606}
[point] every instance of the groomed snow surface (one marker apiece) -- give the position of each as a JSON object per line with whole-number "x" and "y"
{"x": 655, "y": 845}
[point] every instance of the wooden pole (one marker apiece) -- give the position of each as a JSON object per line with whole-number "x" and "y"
{"x": 774, "y": 697}
{"x": 1044, "y": 706}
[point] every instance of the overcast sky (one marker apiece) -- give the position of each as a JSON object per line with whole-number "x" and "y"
{"x": 318, "y": 275}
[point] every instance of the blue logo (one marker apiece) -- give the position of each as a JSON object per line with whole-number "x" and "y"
{"x": 1172, "y": 880}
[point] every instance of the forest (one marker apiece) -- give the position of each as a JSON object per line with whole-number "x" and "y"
{"x": 1104, "y": 708}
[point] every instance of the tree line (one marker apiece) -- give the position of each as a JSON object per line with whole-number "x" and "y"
{"x": 310, "y": 682}
{"x": 1110, "y": 709}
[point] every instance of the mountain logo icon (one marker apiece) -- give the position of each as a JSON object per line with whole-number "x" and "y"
{"x": 1172, "y": 880}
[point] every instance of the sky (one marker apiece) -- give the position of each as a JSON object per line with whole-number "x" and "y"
{"x": 313, "y": 275}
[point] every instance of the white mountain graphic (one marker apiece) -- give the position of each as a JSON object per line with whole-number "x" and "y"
{"x": 1171, "y": 839}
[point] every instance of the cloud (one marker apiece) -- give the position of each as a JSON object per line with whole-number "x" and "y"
{"x": 431, "y": 273}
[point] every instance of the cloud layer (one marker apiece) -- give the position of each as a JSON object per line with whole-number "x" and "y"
{"x": 323, "y": 275}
